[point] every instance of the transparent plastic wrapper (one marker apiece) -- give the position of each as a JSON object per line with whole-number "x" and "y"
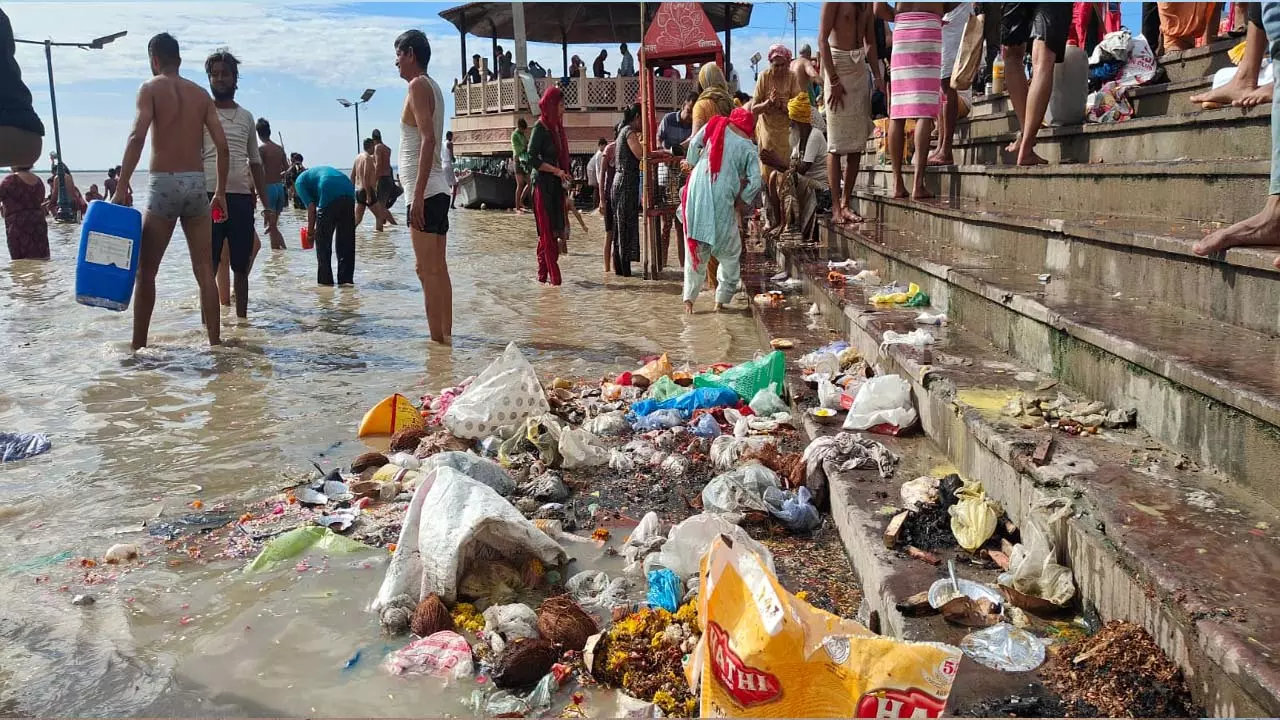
{"x": 504, "y": 394}
{"x": 739, "y": 490}
{"x": 765, "y": 653}
{"x": 504, "y": 623}
{"x": 794, "y": 509}
{"x": 621, "y": 462}
{"x": 300, "y": 540}
{"x": 659, "y": 368}
{"x": 726, "y": 449}
{"x": 828, "y": 395}
{"x": 20, "y": 446}
{"x": 477, "y": 468}
{"x": 690, "y": 540}
{"x": 645, "y": 538}
{"x": 882, "y": 400}
{"x": 917, "y": 338}
{"x": 1034, "y": 572}
{"x": 610, "y": 424}
{"x": 664, "y": 389}
{"x": 579, "y": 448}
{"x": 595, "y": 590}
{"x": 658, "y": 420}
{"x": 1004, "y": 647}
{"x": 675, "y": 465}
{"x": 706, "y": 426}
{"x": 767, "y": 402}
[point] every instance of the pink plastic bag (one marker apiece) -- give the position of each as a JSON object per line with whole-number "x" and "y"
{"x": 444, "y": 654}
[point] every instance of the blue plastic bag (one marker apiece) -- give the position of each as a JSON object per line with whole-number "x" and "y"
{"x": 794, "y": 510}
{"x": 706, "y": 427}
{"x": 705, "y": 398}
{"x": 658, "y": 420}
{"x": 664, "y": 590}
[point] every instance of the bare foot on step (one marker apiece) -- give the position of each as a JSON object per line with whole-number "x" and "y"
{"x": 1261, "y": 229}
{"x": 920, "y": 193}
{"x": 1029, "y": 158}
{"x": 1229, "y": 94}
{"x": 1257, "y": 96}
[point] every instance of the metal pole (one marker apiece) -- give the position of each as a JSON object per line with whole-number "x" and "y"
{"x": 728, "y": 38}
{"x": 359, "y": 145}
{"x": 795, "y": 29}
{"x": 64, "y": 200}
{"x": 463, "y": 33}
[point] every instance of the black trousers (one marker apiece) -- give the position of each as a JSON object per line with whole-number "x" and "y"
{"x": 336, "y": 231}
{"x": 1151, "y": 26}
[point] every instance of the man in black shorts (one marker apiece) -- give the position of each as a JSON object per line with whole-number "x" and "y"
{"x": 1046, "y": 25}
{"x": 386, "y": 190}
{"x": 245, "y": 179}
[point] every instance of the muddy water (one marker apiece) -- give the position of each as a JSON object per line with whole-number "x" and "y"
{"x": 134, "y": 433}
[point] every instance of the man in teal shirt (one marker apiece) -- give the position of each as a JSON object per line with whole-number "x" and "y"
{"x": 520, "y": 158}
{"x": 330, "y": 199}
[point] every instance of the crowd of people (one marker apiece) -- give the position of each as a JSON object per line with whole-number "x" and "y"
{"x": 804, "y": 129}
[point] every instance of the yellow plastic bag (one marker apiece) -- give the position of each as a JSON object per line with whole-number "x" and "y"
{"x": 973, "y": 517}
{"x": 899, "y": 298}
{"x": 656, "y": 369}
{"x": 766, "y": 653}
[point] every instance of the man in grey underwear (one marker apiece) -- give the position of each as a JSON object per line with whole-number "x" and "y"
{"x": 386, "y": 191}
{"x": 177, "y": 112}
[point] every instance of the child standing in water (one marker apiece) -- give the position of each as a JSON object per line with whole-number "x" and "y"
{"x": 915, "y": 84}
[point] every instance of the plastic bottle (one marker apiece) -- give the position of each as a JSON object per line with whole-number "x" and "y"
{"x": 997, "y": 74}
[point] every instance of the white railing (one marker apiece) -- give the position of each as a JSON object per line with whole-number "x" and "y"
{"x": 580, "y": 94}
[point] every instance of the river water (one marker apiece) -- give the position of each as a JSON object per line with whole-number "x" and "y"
{"x": 137, "y": 432}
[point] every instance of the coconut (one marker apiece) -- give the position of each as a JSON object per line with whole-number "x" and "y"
{"x": 564, "y": 622}
{"x": 121, "y": 552}
{"x": 368, "y": 460}
{"x": 431, "y": 617}
{"x": 407, "y": 440}
{"x": 523, "y": 663}
{"x": 365, "y": 488}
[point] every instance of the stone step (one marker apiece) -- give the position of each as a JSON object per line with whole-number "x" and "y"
{"x": 887, "y": 577}
{"x": 1200, "y": 135}
{"x": 1202, "y": 387}
{"x": 1198, "y": 63}
{"x": 1208, "y": 190}
{"x": 1147, "y": 257}
{"x": 1166, "y": 98}
{"x": 1185, "y": 553}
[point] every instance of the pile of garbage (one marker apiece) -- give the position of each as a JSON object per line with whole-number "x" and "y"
{"x": 1072, "y": 417}
{"x": 1120, "y": 671}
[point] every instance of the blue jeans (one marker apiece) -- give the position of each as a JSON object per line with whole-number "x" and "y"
{"x": 1271, "y": 23}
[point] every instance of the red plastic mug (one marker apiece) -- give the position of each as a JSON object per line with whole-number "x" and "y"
{"x": 306, "y": 240}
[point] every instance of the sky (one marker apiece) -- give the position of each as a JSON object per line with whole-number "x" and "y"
{"x": 297, "y": 59}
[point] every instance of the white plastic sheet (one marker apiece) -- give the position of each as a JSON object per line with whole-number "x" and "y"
{"x": 504, "y": 394}
{"x": 882, "y": 400}
{"x": 451, "y": 521}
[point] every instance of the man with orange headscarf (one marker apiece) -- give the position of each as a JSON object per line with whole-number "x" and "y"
{"x": 776, "y": 86}
{"x": 725, "y": 179}
{"x": 549, "y": 158}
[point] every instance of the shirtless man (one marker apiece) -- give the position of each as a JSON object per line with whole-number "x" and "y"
{"x": 365, "y": 180}
{"x": 426, "y": 189}
{"x": 274, "y": 163}
{"x": 384, "y": 191}
{"x": 805, "y": 68}
{"x": 846, "y": 40}
{"x": 180, "y": 111}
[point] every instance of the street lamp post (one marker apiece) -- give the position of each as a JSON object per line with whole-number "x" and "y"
{"x": 364, "y": 98}
{"x": 65, "y": 211}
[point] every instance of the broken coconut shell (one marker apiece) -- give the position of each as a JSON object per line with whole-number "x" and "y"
{"x": 368, "y": 460}
{"x": 366, "y": 488}
{"x": 565, "y": 623}
{"x": 430, "y": 617}
{"x": 523, "y": 663}
{"x": 407, "y": 440}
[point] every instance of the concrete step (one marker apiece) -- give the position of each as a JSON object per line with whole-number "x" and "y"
{"x": 1198, "y": 63}
{"x": 1204, "y": 388}
{"x": 1143, "y": 543}
{"x": 1208, "y": 190}
{"x": 1198, "y": 135}
{"x": 1165, "y": 98}
{"x": 1150, "y": 257}
{"x": 887, "y": 577}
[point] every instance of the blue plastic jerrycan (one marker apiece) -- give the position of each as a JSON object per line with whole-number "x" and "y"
{"x": 110, "y": 244}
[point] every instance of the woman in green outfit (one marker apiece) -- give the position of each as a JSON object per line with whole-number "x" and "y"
{"x": 520, "y": 157}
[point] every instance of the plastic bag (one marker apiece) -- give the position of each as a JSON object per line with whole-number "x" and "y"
{"x": 919, "y": 492}
{"x": 765, "y": 653}
{"x": 444, "y": 654}
{"x": 621, "y": 462}
{"x": 750, "y": 377}
{"x": 794, "y": 510}
{"x": 665, "y": 590}
{"x": 1033, "y": 569}
{"x": 475, "y": 467}
{"x": 973, "y": 517}
{"x": 1004, "y": 647}
{"x": 726, "y": 449}
{"x": 656, "y": 369}
{"x": 594, "y": 590}
{"x": 20, "y": 446}
{"x": 664, "y": 389}
{"x": 547, "y": 487}
{"x": 738, "y": 490}
{"x": 766, "y": 402}
{"x": 690, "y": 540}
{"x": 504, "y": 623}
{"x": 504, "y": 394}
{"x": 882, "y": 400}
{"x": 706, "y": 426}
{"x": 610, "y": 424}
{"x": 828, "y": 395}
{"x": 491, "y": 582}
{"x": 917, "y": 339}
{"x": 298, "y": 541}
{"x": 464, "y": 522}
{"x": 542, "y": 433}
{"x": 685, "y": 404}
{"x": 579, "y": 448}
{"x": 657, "y": 420}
